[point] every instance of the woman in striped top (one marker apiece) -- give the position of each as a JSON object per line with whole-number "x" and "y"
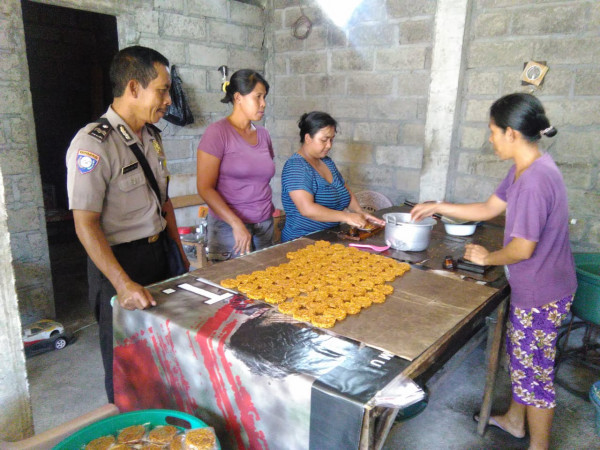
{"x": 314, "y": 193}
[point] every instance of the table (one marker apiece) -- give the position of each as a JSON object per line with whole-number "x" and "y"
{"x": 490, "y": 235}
{"x": 267, "y": 381}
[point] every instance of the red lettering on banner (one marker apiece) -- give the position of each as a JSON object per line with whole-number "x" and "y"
{"x": 206, "y": 337}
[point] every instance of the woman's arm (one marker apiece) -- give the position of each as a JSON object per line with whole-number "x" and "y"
{"x": 493, "y": 207}
{"x": 518, "y": 249}
{"x": 207, "y": 174}
{"x": 305, "y": 202}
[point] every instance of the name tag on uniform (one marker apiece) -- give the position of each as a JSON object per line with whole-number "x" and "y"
{"x": 129, "y": 168}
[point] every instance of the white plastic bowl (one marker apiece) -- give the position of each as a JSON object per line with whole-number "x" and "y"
{"x": 460, "y": 229}
{"x": 457, "y": 227}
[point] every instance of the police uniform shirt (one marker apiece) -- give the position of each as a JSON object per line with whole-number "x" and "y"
{"x": 103, "y": 175}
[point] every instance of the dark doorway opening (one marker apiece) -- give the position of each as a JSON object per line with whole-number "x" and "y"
{"x": 68, "y": 53}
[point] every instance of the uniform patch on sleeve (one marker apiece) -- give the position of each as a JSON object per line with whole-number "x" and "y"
{"x": 86, "y": 161}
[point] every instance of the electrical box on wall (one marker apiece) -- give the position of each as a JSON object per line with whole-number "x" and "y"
{"x": 534, "y": 73}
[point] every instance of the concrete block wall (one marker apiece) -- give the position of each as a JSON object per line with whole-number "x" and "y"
{"x": 22, "y": 182}
{"x": 502, "y": 35}
{"x": 196, "y": 35}
{"x": 16, "y": 421}
{"x": 371, "y": 75}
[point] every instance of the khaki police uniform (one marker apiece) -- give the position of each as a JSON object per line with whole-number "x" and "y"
{"x": 104, "y": 176}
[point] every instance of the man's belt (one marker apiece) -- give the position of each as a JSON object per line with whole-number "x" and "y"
{"x": 147, "y": 240}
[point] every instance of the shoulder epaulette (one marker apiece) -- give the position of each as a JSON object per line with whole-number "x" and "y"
{"x": 153, "y": 128}
{"x": 155, "y": 132}
{"x": 101, "y": 130}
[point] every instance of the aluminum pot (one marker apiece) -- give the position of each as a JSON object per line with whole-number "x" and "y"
{"x": 403, "y": 234}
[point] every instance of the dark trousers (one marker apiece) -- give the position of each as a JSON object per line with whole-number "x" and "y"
{"x": 145, "y": 264}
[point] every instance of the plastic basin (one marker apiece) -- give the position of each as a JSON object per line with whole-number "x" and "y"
{"x": 586, "y": 304}
{"x": 112, "y": 425}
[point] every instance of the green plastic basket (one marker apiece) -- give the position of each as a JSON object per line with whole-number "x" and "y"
{"x": 586, "y": 305}
{"x": 112, "y": 425}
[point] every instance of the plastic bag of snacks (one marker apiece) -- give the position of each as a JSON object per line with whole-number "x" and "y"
{"x": 101, "y": 443}
{"x": 140, "y": 437}
{"x": 200, "y": 439}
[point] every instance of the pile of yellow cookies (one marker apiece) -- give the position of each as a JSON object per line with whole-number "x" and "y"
{"x": 322, "y": 283}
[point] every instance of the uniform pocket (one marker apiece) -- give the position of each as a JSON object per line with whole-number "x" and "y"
{"x": 134, "y": 191}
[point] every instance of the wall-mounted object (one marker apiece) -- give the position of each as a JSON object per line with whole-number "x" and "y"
{"x": 224, "y": 70}
{"x": 534, "y": 72}
{"x": 301, "y": 28}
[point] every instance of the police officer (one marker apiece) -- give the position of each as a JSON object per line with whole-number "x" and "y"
{"x": 119, "y": 218}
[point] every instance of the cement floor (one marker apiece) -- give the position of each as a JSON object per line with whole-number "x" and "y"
{"x": 67, "y": 383}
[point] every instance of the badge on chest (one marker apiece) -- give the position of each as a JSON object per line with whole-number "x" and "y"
{"x": 157, "y": 147}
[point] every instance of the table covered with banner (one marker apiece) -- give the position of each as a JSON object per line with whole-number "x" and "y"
{"x": 265, "y": 380}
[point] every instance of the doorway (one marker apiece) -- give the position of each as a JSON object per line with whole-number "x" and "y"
{"x": 68, "y": 53}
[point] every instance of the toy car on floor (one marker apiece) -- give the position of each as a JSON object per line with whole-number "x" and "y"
{"x": 45, "y": 335}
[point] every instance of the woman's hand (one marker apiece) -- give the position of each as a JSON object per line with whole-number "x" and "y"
{"x": 422, "y": 210}
{"x": 375, "y": 220}
{"x": 242, "y": 238}
{"x": 358, "y": 220}
{"x": 476, "y": 254}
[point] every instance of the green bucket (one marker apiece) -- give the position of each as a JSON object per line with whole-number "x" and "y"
{"x": 586, "y": 305}
{"x": 595, "y": 398}
{"x": 112, "y": 425}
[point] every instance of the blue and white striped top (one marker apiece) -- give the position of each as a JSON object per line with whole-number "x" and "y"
{"x": 298, "y": 174}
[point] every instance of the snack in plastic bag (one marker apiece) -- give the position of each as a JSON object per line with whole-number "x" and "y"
{"x": 101, "y": 443}
{"x": 162, "y": 434}
{"x": 200, "y": 439}
{"x": 131, "y": 435}
{"x": 177, "y": 442}
{"x": 149, "y": 446}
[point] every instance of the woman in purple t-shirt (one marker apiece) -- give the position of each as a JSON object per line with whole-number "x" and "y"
{"x": 234, "y": 168}
{"x": 536, "y": 254}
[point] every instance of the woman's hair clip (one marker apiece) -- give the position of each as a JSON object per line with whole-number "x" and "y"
{"x": 224, "y": 86}
{"x": 546, "y": 130}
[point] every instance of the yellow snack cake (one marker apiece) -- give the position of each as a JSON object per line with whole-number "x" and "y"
{"x": 101, "y": 443}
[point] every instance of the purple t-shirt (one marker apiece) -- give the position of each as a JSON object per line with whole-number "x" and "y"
{"x": 245, "y": 172}
{"x": 537, "y": 210}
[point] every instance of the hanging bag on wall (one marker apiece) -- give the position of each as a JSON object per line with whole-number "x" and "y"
{"x": 179, "y": 113}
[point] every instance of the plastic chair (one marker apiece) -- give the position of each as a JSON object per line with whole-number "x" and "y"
{"x": 49, "y": 438}
{"x": 372, "y": 201}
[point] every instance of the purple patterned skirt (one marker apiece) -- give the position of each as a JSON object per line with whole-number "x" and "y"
{"x": 531, "y": 346}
